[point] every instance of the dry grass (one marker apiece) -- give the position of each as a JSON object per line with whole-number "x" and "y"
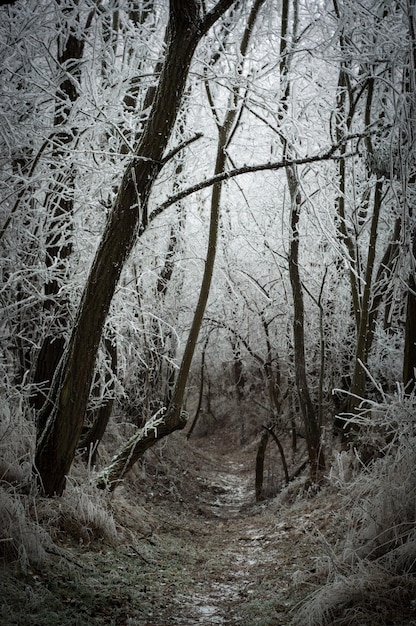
{"x": 22, "y": 538}
{"x": 29, "y": 525}
{"x": 369, "y": 596}
{"x": 363, "y": 578}
{"x": 371, "y": 566}
{"x": 83, "y": 514}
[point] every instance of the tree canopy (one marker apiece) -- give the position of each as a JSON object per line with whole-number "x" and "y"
{"x": 231, "y": 180}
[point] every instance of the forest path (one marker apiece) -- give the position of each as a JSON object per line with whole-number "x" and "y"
{"x": 193, "y": 549}
{"x": 242, "y": 562}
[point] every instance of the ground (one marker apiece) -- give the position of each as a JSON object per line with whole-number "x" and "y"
{"x": 195, "y": 549}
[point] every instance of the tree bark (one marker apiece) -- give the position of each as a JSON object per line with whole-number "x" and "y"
{"x": 310, "y": 420}
{"x": 200, "y": 390}
{"x": 281, "y": 452}
{"x": 261, "y": 452}
{"x": 63, "y": 413}
{"x": 60, "y": 204}
{"x": 364, "y": 335}
{"x": 91, "y": 438}
{"x": 174, "y": 418}
{"x": 409, "y": 361}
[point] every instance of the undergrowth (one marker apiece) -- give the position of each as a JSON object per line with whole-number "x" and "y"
{"x": 371, "y": 569}
{"x": 366, "y": 570}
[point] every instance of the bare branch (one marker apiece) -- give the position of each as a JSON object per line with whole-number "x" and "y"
{"x": 250, "y": 169}
{"x": 182, "y": 145}
{"x": 215, "y": 14}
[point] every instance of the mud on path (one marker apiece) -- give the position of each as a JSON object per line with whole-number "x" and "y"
{"x": 196, "y": 549}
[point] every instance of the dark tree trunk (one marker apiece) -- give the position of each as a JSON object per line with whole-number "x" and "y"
{"x": 409, "y": 362}
{"x": 174, "y": 418}
{"x": 60, "y": 203}
{"x": 239, "y": 383}
{"x": 261, "y": 452}
{"x": 63, "y": 413}
{"x": 310, "y": 420}
{"x": 200, "y": 391}
{"x": 281, "y": 452}
{"x": 364, "y": 335}
{"x": 92, "y": 437}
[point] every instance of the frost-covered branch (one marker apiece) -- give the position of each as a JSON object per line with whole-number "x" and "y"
{"x": 327, "y": 155}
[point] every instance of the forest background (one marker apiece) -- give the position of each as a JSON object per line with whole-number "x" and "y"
{"x": 207, "y": 212}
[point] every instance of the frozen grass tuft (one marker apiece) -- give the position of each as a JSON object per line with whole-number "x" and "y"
{"x": 89, "y": 508}
{"x": 21, "y": 538}
{"x": 82, "y": 513}
{"x": 371, "y": 571}
{"x": 369, "y": 596}
{"x": 28, "y": 523}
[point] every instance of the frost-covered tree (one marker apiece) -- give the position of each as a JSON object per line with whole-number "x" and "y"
{"x": 64, "y": 410}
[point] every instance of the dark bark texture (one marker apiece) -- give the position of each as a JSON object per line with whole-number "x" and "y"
{"x": 63, "y": 413}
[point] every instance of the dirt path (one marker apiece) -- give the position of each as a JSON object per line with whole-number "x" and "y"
{"x": 196, "y": 550}
{"x": 192, "y": 548}
{"x": 245, "y": 563}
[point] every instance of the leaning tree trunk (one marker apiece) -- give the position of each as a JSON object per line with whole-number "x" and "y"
{"x": 163, "y": 423}
{"x": 174, "y": 418}
{"x": 63, "y": 413}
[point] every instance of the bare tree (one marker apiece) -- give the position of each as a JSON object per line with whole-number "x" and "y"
{"x": 122, "y": 463}
{"x": 408, "y": 173}
{"x": 365, "y": 95}
{"x": 288, "y": 39}
{"x": 60, "y": 198}
{"x": 63, "y": 413}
